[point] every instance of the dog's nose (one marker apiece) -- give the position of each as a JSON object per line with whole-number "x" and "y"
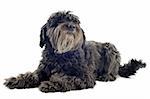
{"x": 71, "y": 27}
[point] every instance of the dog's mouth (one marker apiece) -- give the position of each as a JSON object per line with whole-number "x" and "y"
{"x": 65, "y": 43}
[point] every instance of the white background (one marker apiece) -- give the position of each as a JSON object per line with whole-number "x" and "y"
{"x": 125, "y": 23}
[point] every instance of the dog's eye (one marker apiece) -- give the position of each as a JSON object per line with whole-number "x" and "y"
{"x": 66, "y": 25}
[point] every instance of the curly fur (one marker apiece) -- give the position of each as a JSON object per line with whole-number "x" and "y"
{"x": 69, "y": 61}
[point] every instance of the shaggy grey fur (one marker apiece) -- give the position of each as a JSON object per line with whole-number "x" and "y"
{"x": 69, "y": 61}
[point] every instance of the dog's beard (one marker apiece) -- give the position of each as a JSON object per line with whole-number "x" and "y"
{"x": 64, "y": 41}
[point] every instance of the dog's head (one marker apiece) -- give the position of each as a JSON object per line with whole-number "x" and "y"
{"x": 63, "y": 32}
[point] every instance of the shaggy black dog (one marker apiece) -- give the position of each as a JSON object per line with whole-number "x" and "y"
{"x": 69, "y": 61}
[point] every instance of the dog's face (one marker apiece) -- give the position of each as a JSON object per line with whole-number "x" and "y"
{"x": 63, "y": 31}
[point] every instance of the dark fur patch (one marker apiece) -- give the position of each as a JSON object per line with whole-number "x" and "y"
{"x": 61, "y": 17}
{"x": 71, "y": 63}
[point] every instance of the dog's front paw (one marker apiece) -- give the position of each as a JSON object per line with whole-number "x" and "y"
{"x": 11, "y": 82}
{"x": 18, "y": 82}
{"x": 48, "y": 86}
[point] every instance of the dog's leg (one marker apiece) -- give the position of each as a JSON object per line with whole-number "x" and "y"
{"x": 63, "y": 83}
{"x": 110, "y": 62}
{"x": 27, "y": 80}
{"x": 109, "y": 74}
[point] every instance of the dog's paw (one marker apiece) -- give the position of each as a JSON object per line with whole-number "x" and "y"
{"x": 106, "y": 78}
{"x": 11, "y": 82}
{"x": 15, "y": 82}
{"x": 47, "y": 86}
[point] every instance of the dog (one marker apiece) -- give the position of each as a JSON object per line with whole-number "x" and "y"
{"x": 69, "y": 62}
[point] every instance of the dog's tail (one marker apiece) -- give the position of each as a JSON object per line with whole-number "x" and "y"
{"x": 131, "y": 68}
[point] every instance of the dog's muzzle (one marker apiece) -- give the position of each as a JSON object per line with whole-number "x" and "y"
{"x": 71, "y": 27}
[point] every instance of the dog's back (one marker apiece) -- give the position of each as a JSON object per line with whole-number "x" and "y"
{"x": 105, "y": 58}
{"x": 106, "y": 61}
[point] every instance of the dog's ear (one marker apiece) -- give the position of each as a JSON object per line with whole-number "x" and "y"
{"x": 43, "y": 35}
{"x": 83, "y": 35}
{"x": 84, "y": 39}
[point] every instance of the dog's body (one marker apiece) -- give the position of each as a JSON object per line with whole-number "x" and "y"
{"x": 69, "y": 61}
